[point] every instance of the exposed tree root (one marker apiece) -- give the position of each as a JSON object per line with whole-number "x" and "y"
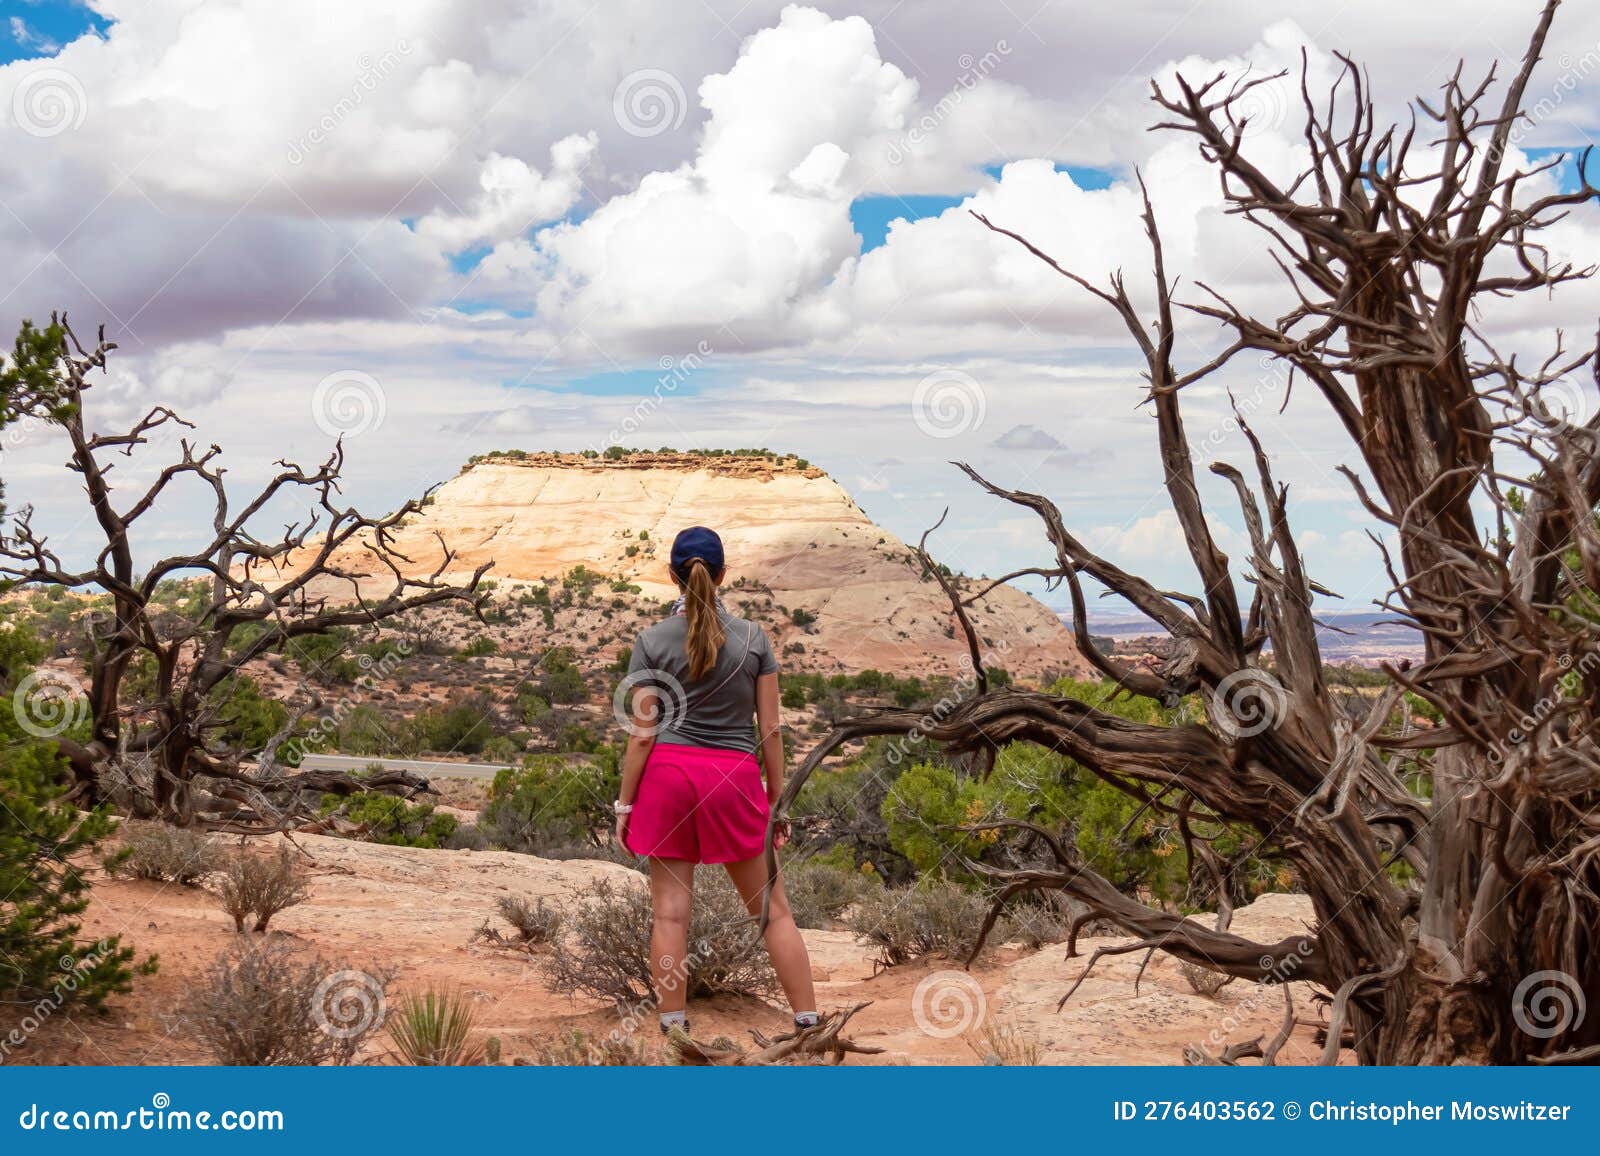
{"x": 821, "y": 1042}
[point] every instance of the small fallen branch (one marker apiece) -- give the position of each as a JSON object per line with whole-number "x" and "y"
{"x": 820, "y": 1040}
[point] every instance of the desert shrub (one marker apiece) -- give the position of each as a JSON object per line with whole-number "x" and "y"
{"x": 433, "y": 1029}
{"x": 1037, "y": 923}
{"x": 366, "y": 730}
{"x": 325, "y": 657}
{"x": 394, "y": 821}
{"x": 260, "y": 885}
{"x": 501, "y": 749}
{"x": 42, "y": 836}
{"x": 266, "y": 1004}
{"x": 549, "y": 802}
{"x": 1202, "y": 980}
{"x": 929, "y": 803}
{"x": 579, "y": 1049}
{"x": 247, "y": 718}
{"x": 461, "y": 726}
{"x": 480, "y": 647}
{"x": 819, "y": 892}
{"x": 606, "y": 953}
{"x": 850, "y": 800}
{"x": 536, "y": 922}
{"x": 560, "y": 679}
{"x": 933, "y": 918}
{"x": 165, "y": 853}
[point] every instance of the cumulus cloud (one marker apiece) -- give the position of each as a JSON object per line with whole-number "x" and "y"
{"x": 1026, "y": 437}
{"x": 512, "y": 197}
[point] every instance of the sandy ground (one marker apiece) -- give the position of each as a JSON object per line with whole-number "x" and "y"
{"x": 416, "y": 911}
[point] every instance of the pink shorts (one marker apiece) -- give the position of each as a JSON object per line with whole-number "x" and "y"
{"x": 700, "y": 804}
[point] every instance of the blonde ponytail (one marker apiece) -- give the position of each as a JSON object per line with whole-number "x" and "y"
{"x": 705, "y": 625}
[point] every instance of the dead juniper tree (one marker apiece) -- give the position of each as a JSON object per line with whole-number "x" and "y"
{"x": 1454, "y": 870}
{"x": 155, "y": 677}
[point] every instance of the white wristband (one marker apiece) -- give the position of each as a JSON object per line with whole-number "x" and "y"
{"x": 621, "y": 808}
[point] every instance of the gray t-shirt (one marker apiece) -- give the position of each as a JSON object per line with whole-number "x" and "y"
{"x": 719, "y": 709}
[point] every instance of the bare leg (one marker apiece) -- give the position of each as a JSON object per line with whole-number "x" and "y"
{"x": 784, "y": 945}
{"x": 671, "y": 896}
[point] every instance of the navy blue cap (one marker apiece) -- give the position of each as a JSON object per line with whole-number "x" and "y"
{"x": 696, "y": 542}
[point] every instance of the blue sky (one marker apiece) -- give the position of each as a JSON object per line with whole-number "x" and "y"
{"x": 40, "y": 27}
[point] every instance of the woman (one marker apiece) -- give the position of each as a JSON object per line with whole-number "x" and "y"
{"x": 691, "y": 788}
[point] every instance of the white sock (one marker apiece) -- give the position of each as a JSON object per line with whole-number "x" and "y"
{"x": 806, "y": 1019}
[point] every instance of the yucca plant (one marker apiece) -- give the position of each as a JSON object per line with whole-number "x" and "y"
{"x": 434, "y": 1029}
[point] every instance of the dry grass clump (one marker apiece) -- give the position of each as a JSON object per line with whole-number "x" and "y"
{"x": 261, "y": 885}
{"x": 433, "y": 1029}
{"x": 579, "y": 1049}
{"x": 820, "y": 893}
{"x": 165, "y": 853}
{"x": 1004, "y": 1043}
{"x": 536, "y": 922}
{"x": 1203, "y": 980}
{"x": 266, "y": 1004}
{"x": 606, "y": 953}
{"x": 937, "y": 918}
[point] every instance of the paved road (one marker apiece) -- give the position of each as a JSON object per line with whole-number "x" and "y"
{"x": 433, "y": 768}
